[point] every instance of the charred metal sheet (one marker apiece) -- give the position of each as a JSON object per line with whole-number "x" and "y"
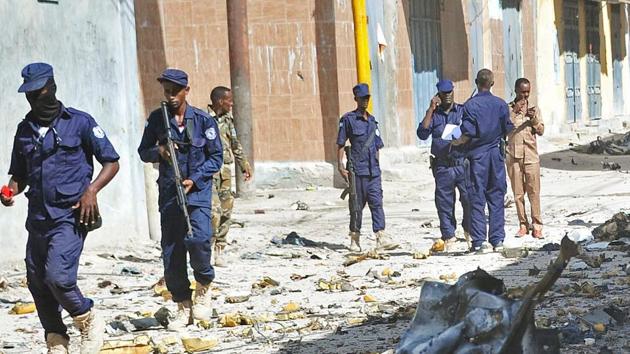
{"x": 475, "y": 316}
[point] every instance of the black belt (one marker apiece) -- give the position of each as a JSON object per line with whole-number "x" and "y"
{"x": 449, "y": 162}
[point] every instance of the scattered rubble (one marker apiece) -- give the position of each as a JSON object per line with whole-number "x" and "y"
{"x": 299, "y": 205}
{"x": 294, "y": 239}
{"x": 23, "y": 308}
{"x": 613, "y": 166}
{"x": 610, "y": 146}
{"x": 138, "y": 345}
{"x": 353, "y": 259}
{"x": 195, "y": 345}
{"x": 474, "y": 315}
{"x": 615, "y": 228}
{"x": 421, "y": 254}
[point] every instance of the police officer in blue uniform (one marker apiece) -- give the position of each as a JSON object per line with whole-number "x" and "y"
{"x": 448, "y": 163}
{"x": 200, "y": 155}
{"x": 485, "y": 124}
{"x": 361, "y": 128}
{"x": 53, "y": 155}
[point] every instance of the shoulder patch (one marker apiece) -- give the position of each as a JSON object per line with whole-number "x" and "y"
{"x": 378, "y": 133}
{"x": 98, "y": 132}
{"x": 210, "y": 133}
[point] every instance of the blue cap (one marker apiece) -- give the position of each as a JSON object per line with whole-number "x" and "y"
{"x": 174, "y": 75}
{"x": 445, "y": 86}
{"x": 361, "y": 90}
{"x": 35, "y": 76}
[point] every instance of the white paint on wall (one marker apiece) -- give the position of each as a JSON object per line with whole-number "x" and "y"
{"x": 92, "y": 48}
{"x": 495, "y": 11}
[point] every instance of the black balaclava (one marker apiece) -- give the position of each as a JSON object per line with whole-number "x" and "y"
{"x": 45, "y": 107}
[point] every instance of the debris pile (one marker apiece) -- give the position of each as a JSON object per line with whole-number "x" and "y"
{"x": 611, "y": 146}
{"x": 615, "y": 228}
{"x": 475, "y": 315}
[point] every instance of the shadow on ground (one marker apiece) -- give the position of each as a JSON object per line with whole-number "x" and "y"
{"x": 376, "y": 335}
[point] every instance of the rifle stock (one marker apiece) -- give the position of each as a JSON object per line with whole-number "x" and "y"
{"x": 182, "y": 200}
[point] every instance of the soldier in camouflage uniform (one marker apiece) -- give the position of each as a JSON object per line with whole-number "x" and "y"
{"x": 221, "y": 110}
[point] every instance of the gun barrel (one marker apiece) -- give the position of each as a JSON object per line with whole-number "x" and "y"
{"x": 351, "y": 190}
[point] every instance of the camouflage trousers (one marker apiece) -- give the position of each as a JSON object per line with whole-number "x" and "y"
{"x": 222, "y": 203}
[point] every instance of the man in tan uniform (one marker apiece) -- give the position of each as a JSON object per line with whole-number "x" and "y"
{"x": 523, "y": 163}
{"x": 221, "y": 110}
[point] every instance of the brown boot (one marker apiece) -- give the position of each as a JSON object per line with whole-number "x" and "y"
{"x": 522, "y": 231}
{"x": 384, "y": 242}
{"x": 92, "y": 326}
{"x": 219, "y": 261}
{"x": 56, "y": 343}
{"x": 202, "y": 307}
{"x": 183, "y": 316}
{"x": 355, "y": 239}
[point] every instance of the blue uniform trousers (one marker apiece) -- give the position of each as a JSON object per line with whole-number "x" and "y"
{"x": 487, "y": 186}
{"x": 446, "y": 180}
{"x": 370, "y": 190}
{"x": 52, "y": 261}
{"x": 175, "y": 245}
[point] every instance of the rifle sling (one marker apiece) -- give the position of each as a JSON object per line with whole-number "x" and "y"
{"x": 366, "y": 145}
{"x": 368, "y": 142}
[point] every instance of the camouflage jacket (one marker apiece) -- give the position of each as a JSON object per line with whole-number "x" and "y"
{"x": 232, "y": 149}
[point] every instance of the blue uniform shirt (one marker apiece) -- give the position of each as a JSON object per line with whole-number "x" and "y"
{"x": 441, "y": 148}
{"x": 352, "y": 126}
{"x": 58, "y": 166}
{"x": 199, "y": 157}
{"x": 486, "y": 120}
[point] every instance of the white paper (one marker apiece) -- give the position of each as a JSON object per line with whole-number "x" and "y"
{"x": 451, "y": 132}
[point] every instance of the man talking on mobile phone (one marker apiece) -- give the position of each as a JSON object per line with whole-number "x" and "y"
{"x": 447, "y": 163}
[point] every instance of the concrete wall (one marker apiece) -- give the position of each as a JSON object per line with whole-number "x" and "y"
{"x": 91, "y": 45}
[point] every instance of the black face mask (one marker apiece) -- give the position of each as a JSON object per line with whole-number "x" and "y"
{"x": 44, "y": 106}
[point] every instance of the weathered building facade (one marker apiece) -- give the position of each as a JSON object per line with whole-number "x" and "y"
{"x": 303, "y": 61}
{"x": 582, "y": 57}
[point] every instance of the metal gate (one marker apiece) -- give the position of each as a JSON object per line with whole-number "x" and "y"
{"x": 512, "y": 45}
{"x": 593, "y": 66}
{"x": 424, "y": 21}
{"x": 617, "y": 54}
{"x": 571, "y": 63}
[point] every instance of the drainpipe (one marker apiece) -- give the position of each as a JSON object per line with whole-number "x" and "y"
{"x": 238, "y": 42}
{"x": 360, "y": 18}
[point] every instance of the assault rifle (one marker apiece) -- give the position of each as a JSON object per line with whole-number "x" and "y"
{"x": 182, "y": 200}
{"x": 352, "y": 191}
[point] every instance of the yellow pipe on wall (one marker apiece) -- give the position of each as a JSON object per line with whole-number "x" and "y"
{"x": 359, "y": 15}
